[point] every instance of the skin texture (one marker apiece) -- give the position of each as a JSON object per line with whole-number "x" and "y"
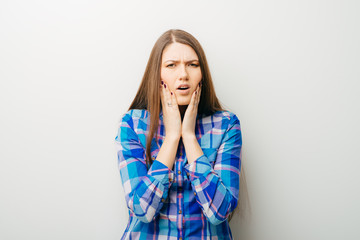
{"x": 177, "y": 68}
{"x": 179, "y": 65}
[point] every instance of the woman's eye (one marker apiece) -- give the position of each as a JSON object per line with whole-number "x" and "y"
{"x": 194, "y": 65}
{"x": 170, "y": 65}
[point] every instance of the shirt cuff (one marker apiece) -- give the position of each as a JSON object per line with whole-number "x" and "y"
{"x": 201, "y": 166}
{"x": 162, "y": 173}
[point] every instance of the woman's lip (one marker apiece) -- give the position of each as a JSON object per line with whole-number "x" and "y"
{"x": 183, "y": 91}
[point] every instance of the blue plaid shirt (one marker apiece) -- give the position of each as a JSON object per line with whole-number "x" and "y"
{"x": 190, "y": 201}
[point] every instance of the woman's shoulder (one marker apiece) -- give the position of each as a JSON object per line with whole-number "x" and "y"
{"x": 224, "y": 116}
{"x": 137, "y": 119}
{"x": 135, "y": 114}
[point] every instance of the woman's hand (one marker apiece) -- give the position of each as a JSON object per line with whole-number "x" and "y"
{"x": 171, "y": 113}
{"x": 189, "y": 121}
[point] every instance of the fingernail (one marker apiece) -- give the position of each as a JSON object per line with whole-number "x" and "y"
{"x": 162, "y": 82}
{"x": 164, "y": 85}
{"x": 171, "y": 93}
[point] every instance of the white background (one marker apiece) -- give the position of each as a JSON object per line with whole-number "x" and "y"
{"x": 288, "y": 69}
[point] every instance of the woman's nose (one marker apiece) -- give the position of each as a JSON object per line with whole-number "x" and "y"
{"x": 183, "y": 73}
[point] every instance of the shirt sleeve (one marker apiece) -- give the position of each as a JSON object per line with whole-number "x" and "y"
{"x": 145, "y": 190}
{"x": 217, "y": 189}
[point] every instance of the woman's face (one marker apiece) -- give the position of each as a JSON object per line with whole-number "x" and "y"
{"x": 180, "y": 71}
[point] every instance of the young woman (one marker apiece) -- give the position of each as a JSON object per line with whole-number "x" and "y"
{"x": 179, "y": 151}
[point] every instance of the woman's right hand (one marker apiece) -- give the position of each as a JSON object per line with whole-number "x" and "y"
{"x": 171, "y": 113}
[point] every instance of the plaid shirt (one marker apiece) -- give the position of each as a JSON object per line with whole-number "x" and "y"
{"x": 190, "y": 201}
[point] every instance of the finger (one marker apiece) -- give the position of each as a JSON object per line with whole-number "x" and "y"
{"x": 167, "y": 95}
{"x": 174, "y": 100}
{"x": 199, "y": 95}
{"x": 196, "y": 92}
{"x": 163, "y": 98}
{"x": 193, "y": 98}
{"x": 161, "y": 94}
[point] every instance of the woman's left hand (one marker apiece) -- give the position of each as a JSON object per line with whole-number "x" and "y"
{"x": 189, "y": 120}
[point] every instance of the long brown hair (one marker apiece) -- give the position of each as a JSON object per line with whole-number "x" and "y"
{"x": 148, "y": 94}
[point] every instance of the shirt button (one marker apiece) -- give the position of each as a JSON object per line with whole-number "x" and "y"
{"x": 187, "y": 174}
{"x": 180, "y": 238}
{"x": 163, "y": 200}
{"x": 170, "y": 179}
{"x": 180, "y": 211}
{"x": 179, "y": 172}
{"x": 194, "y": 193}
{"x": 180, "y": 153}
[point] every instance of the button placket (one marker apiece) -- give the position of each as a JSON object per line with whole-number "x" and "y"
{"x": 179, "y": 168}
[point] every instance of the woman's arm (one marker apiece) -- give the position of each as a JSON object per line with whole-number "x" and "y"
{"x": 167, "y": 152}
{"x": 192, "y": 148}
{"x": 145, "y": 190}
{"x": 217, "y": 189}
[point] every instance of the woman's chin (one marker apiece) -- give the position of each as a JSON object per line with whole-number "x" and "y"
{"x": 181, "y": 100}
{"x": 183, "y": 103}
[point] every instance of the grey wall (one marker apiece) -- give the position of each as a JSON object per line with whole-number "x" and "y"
{"x": 288, "y": 69}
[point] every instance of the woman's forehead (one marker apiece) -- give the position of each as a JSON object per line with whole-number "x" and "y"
{"x": 179, "y": 51}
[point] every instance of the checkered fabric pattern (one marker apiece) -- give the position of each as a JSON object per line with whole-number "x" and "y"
{"x": 189, "y": 201}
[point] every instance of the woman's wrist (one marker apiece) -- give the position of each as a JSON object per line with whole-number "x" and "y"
{"x": 172, "y": 138}
{"x": 192, "y": 148}
{"x": 168, "y": 151}
{"x": 189, "y": 138}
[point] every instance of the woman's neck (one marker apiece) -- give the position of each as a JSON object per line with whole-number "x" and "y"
{"x": 182, "y": 109}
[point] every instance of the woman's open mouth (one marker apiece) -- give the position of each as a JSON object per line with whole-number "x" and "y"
{"x": 183, "y": 90}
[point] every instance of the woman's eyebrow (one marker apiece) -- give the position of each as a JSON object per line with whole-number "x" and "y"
{"x": 171, "y": 60}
